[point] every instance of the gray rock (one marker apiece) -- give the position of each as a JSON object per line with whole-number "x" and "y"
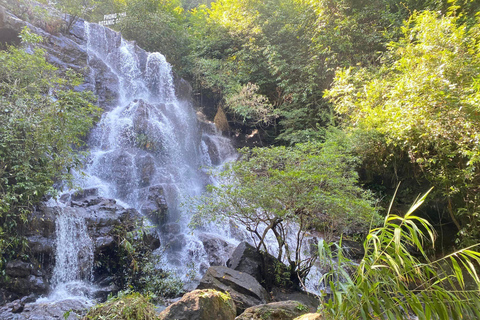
{"x": 267, "y": 269}
{"x": 84, "y": 193}
{"x": 284, "y": 310}
{"x": 246, "y": 258}
{"x": 216, "y": 248}
{"x": 201, "y": 305}
{"x": 18, "y": 268}
{"x": 310, "y": 300}
{"x": 155, "y": 206}
{"x": 242, "y": 287}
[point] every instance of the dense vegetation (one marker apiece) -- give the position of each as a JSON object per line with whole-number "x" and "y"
{"x": 42, "y": 123}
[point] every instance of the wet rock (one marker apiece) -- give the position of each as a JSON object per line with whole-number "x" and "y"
{"x": 216, "y": 248}
{"x": 103, "y": 243}
{"x": 18, "y": 268}
{"x": 155, "y": 206}
{"x": 151, "y": 240}
{"x": 177, "y": 242}
{"x": 284, "y": 310}
{"x": 106, "y": 83}
{"x": 352, "y": 249}
{"x": 183, "y": 89}
{"x": 242, "y": 287}
{"x": 146, "y": 168}
{"x": 171, "y": 228}
{"x": 84, "y": 193}
{"x": 201, "y": 305}
{"x": 26, "y": 285}
{"x": 75, "y": 308}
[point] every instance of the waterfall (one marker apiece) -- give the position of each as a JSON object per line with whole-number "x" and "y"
{"x": 72, "y": 274}
{"x": 74, "y": 248}
{"x": 149, "y": 148}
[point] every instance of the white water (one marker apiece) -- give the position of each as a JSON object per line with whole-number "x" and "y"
{"x": 149, "y": 140}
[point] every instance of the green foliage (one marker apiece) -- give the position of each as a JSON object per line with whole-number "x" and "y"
{"x": 311, "y": 186}
{"x": 136, "y": 267}
{"x": 156, "y": 26}
{"x": 126, "y": 306}
{"x": 423, "y": 106}
{"x": 42, "y": 123}
{"x": 289, "y": 50}
{"x": 396, "y": 279}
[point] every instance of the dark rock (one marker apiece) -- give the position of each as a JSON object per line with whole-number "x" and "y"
{"x": 201, "y": 305}
{"x": 267, "y": 269}
{"x": 216, "y": 248}
{"x": 17, "y": 306}
{"x": 25, "y": 286}
{"x": 171, "y": 228}
{"x": 18, "y": 268}
{"x": 102, "y": 243}
{"x": 177, "y": 242}
{"x": 155, "y": 206}
{"x": 246, "y": 258}
{"x": 146, "y": 168}
{"x": 308, "y": 299}
{"x": 242, "y": 287}
{"x": 353, "y": 250}
{"x": 151, "y": 240}
{"x": 284, "y": 310}
{"x": 84, "y": 193}
{"x": 183, "y": 89}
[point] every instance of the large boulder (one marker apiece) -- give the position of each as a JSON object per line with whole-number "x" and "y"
{"x": 201, "y": 305}
{"x": 245, "y": 258}
{"x": 242, "y": 287}
{"x": 268, "y": 270}
{"x": 284, "y": 310}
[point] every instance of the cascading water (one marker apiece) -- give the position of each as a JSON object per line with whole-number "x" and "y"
{"x": 74, "y": 248}
{"x": 149, "y": 148}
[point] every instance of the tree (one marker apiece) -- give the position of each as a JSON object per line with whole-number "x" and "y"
{"x": 157, "y": 26}
{"x": 288, "y": 191}
{"x": 421, "y": 108}
{"x": 42, "y": 123}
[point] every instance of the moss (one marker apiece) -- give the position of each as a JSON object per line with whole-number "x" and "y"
{"x": 131, "y": 306}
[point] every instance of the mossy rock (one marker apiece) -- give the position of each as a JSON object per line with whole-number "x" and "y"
{"x": 123, "y": 307}
{"x": 201, "y": 305}
{"x": 283, "y": 310}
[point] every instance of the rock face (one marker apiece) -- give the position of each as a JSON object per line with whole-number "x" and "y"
{"x": 201, "y": 305}
{"x": 284, "y": 310}
{"x": 242, "y": 287}
{"x": 103, "y": 218}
